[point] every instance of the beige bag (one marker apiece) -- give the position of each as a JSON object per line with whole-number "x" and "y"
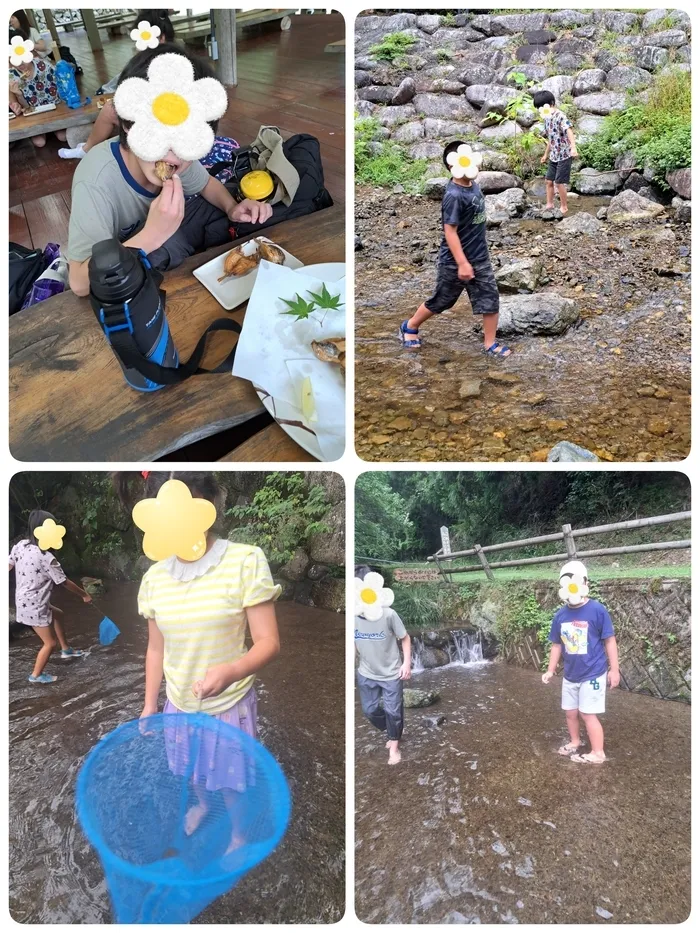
{"x": 270, "y": 156}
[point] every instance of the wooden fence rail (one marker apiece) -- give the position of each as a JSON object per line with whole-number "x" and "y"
{"x": 568, "y": 536}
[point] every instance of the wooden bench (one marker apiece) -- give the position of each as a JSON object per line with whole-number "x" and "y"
{"x": 271, "y": 444}
{"x": 38, "y": 124}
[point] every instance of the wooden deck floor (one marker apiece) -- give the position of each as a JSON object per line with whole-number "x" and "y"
{"x": 285, "y": 79}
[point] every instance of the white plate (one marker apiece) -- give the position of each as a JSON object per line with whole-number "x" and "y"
{"x": 327, "y": 271}
{"x": 283, "y": 412}
{"x": 233, "y": 292}
{"x": 43, "y": 108}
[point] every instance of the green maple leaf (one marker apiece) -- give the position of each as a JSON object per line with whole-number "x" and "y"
{"x": 326, "y": 301}
{"x": 299, "y": 309}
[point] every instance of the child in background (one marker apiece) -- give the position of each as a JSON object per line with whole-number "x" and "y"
{"x": 33, "y": 84}
{"x": 583, "y": 631}
{"x": 463, "y": 260}
{"x": 198, "y": 613}
{"x": 36, "y": 574}
{"x": 381, "y": 671}
{"x": 560, "y": 151}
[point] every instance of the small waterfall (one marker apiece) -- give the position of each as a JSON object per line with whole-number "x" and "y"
{"x": 465, "y": 648}
{"x": 417, "y": 652}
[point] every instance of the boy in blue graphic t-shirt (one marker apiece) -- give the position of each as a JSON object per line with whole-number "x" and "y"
{"x": 582, "y": 631}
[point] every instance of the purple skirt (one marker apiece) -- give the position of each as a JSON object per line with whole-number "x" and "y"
{"x": 220, "y": 763}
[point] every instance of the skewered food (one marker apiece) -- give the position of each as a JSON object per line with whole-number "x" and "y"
{"x": 270, "y": 251}
{"x": 237, "y": 264}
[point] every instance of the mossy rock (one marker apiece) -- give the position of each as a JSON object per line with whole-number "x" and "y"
{"x": 416, "y": 699}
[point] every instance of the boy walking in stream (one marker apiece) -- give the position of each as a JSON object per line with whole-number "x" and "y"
{"x": 381, "y": 671}
{"x": 560, "y": 151}
{"x": 463, "y": 260}
{"x": 582, "y": 631}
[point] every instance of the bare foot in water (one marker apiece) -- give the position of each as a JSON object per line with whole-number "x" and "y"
{"x": 394, "y": 753}
{"x": 194, "y": 817}
{"x": 236, "y": 843}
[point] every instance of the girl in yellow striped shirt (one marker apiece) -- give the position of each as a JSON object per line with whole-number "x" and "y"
{"x": 197, "y": 614}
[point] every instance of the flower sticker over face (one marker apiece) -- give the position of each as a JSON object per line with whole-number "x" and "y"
{"x": 573, "y": 588}
{"x": 49, "y": 536}
{"x": 170, "y": 110}
{"x": 463, "y": 162}
{"x": 372, "y": 597}
{"x": 546, "y": 111}
{"x": 174, "y": 522}
{"x": 21, "y": 51}
{"x": 145, "y": 36}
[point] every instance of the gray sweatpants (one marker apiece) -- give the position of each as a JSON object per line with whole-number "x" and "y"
{"x": 372, "y": 692}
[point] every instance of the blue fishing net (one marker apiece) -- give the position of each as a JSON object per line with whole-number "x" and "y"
{"x": 179, "y": 808}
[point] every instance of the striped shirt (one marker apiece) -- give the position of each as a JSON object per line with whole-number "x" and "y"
{"x": 203, "y": 621}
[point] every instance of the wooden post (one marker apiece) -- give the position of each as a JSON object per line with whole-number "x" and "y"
{"x": 92, "y": 30}
{"x": 484, "y": 562}
{"x": 442, "y": 572}
{"x": 225, "y": 31}
{"x": 51, "y": 26}
{"x": 569, "y": 541}
{"x": 32, "y": 19}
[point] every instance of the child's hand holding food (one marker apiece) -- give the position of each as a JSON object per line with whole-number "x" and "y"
{"x": 165, "y": 214}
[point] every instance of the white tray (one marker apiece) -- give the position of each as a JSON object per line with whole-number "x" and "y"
{"x": 234, "y": 291}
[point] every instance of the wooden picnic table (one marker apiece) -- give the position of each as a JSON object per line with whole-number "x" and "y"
{"x": 69, "y": 400}
{"x": 37, "y": 124}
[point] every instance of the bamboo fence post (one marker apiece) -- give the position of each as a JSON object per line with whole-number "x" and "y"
{"x": 484, "y": 562}
{"x": 569, "y": 541}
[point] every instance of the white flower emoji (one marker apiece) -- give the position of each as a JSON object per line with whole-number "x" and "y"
{"x": 145, "y": 36}
{"x": 372, "y": 597}
{"x": 21, "y": 51}
{"x": 546, "y": 111}
{"x": 573, "y": 590}
{"x": 170, "y": 110}
{"x": 463, "y": 162}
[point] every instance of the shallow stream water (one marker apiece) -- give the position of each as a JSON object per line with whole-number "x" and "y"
{"x": 482, "y": 822}
{"x": 56, "y": 877}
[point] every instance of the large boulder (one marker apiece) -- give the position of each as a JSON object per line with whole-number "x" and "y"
{"x": 630, "y": 207}
{"x": 446, "y": 86}
{"x": 370, "y": 30}
{"x": 434, "y": 188}
{"x": 626, "y": 163}
{"x": 566, "y": 452}
{"x": 328, "y": 547}
{"x": 606, "y": 59}
{"x": 567, "y": 19}
{"x": 434, "y": 657}
{"x": 580, "y": 47}
{"x": 442, "y": 129}
{"x": 496, "y": 100}
{"x": 627, "y": 78}
{"x": 602, "y": 103}
{"x": 590, "y": 181}
{"x": 654, "y": 17}
{"x": 429, "y": 22}
{"x": 617, "y": 21}
{"x": 377, "y": 93}
{"x": 513, "y": 23}
{"x": 476, "y": 73}
{"x": 443, "y": 108}
{"x": 429, "y": 149}
{"x": 513, "y": 76}
{"x": 545, "y": 313}
{"x": 329, "y": 593}
{"x": 581, "y": 223}
{"x": 505, "y": 130}
{"x": 296, "y": 567}
{"x": 668, "y": 39}
{"x": 362, "y": 78}
{"x": 492, "y": 160}
{"x": 650, "y": 57}
{"x": 365, "y": 108}
{"x": 408, "y": 132}
{"x": 493, "y": 182}
{"x": 415, "y": 699}
{"x": 504, "y": 206}
{"x": 589, "y": 81}
{"x": 518, "y": 276}
{"x": 680, "y": 181}
{"x": 559, "y": 85}
{"x": 392, "y": 116}
{"x": 681, "y": 210}
{"x": 405, "y": 93}
{"x": 476, "y": 94}
{"x": 455, "y": 39}
{"x": 589, "y": 125}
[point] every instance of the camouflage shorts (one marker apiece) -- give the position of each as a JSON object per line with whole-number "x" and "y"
{"x": 482, "y": 290}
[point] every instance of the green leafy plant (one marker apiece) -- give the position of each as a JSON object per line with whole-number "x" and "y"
{"x": 444, "y": 56}
{"x": 383, "y": 163}
{"x": 392, "y": 46}
{"x": 524, "y": 152}
{"x": 448, "y": 19}
{"x": 283, "y": 515}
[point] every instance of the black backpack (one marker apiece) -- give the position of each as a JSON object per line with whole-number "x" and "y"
{"x": 26, "y": 265}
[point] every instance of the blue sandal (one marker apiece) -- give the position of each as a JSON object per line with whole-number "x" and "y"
{"x": 71, "y": 653}
{"x": 404, "y": 330}
{"x": 42, "y": 679}
{"x": 502, "y": 352}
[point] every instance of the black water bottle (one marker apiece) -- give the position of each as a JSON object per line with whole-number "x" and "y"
{"x": 130, "y": 307}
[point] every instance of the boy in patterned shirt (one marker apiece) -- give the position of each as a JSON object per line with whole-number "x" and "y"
{"x": 561, "y": 148}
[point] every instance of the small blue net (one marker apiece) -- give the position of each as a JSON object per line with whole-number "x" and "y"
{"x": 179, "y": 808}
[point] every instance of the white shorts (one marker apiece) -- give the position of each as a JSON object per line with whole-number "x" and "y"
{"x": 588, "y": 697}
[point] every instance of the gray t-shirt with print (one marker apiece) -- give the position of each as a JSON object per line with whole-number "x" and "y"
{"x": 380, "y": 658}
{"x": 106, "y": 201}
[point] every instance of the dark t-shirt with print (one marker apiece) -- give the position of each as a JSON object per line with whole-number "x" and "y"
{"x": 465, "y": 208}
{"x": 581, "y": 632}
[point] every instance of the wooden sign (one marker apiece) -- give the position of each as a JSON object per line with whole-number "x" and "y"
{"x": 416, "y": 576}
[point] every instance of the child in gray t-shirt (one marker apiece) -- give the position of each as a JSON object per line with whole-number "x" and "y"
{"x": 117, "y": 194}
{"x": 381, "y": 672}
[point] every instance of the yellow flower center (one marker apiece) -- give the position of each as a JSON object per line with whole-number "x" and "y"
{"x": 19, "y": 50}
{"x": 573, "y": 588}
{"x": 171, "y": 109}
{"x": 145, "y": 36}
{"x": 368, "y": 596}
{"x": 465, "y": 161}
